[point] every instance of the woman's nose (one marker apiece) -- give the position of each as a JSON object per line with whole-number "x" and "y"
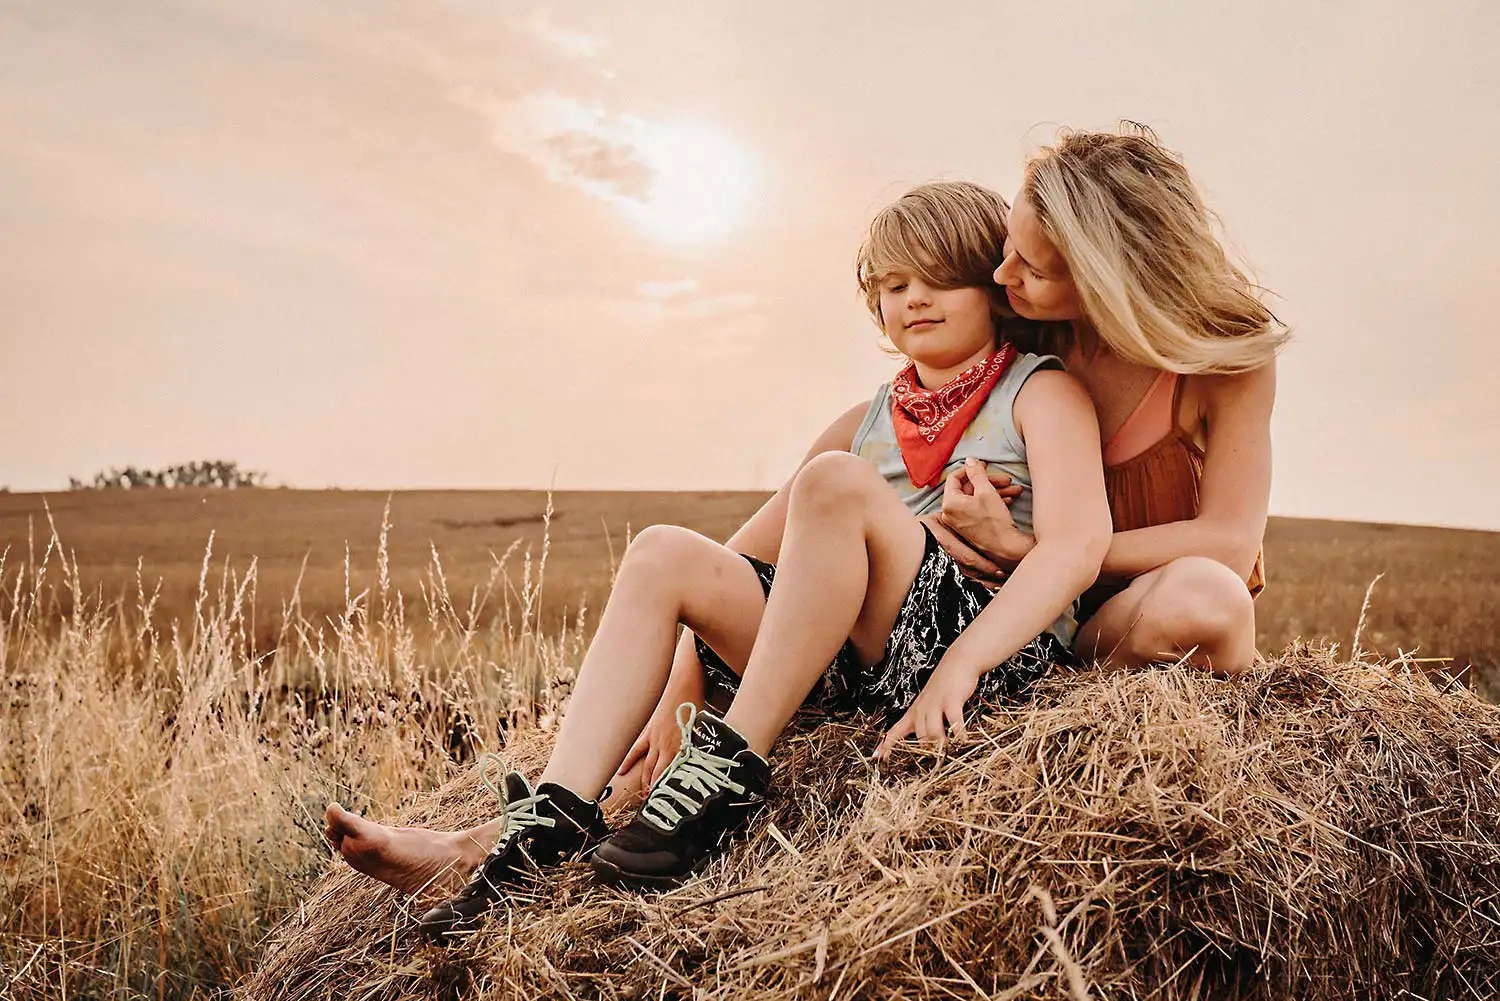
{"x": 1003, "y": 272}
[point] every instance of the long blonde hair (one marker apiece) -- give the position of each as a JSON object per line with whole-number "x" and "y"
{"x": 1153, "y": 279}
{"x": 951, "y": 234}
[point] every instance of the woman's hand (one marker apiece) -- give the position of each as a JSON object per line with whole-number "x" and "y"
{"x": 976, "y": 508}
{"x": 974, "y": 563}
{"x": 939, "y": 708}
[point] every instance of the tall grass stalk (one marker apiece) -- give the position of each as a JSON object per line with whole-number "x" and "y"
{"x": 162, "y": 784}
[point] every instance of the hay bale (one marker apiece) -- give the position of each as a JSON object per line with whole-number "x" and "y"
{"x": 1315, "y": 831}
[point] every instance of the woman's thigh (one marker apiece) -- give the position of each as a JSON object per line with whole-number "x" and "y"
{"x": 1102, "y": 636}
{"x": 1191, "y": 604}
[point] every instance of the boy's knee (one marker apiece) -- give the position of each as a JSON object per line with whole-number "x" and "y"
{"x": 833, "y": 478}
{"x": 659, "y": 550}
{"x": 1198, "y": 602}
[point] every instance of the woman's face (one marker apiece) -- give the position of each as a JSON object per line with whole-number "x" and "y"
{"x": 1036, "y": 278}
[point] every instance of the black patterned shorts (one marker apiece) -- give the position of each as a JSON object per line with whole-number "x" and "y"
{"x": 941, "y": 603}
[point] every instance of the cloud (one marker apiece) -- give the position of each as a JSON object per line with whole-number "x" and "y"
{"x": 596, "y": 159}
{"x": 566, "y": 138}
{"x": 667, "y": 289}
{"x": 727, "y": 304}
{"x": 683, "y": 181}
{"x": 670, "y": 304}
{"x": 568, "y": 42}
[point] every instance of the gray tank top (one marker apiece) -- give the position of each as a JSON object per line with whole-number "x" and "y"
{"x": 991, "y": 438}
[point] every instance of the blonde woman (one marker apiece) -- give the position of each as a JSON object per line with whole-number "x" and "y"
{"x": 1110, "y": 235}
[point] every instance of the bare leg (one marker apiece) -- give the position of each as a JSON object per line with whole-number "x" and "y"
{"x": 1192, "y": 607}
{"x": 409, "y": 858}
{"x": 669, "y": 576}
{"x": 849, "y": 556}
{"x": 676, "y": 576}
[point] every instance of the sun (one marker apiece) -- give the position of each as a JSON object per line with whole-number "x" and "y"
{"x": 702, "y": 186}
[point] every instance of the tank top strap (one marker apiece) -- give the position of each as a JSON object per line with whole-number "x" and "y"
{"x": 1154, "y": 418}
{"x": 1178, "y": 382}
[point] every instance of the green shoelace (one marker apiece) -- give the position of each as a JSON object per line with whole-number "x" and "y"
{"x": 692, "y": 771}
{"x": 519, "y": 814}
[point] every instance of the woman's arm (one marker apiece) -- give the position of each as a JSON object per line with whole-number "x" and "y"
{"x": 1056, "y": 419}
{"x": 1234, "y": 493}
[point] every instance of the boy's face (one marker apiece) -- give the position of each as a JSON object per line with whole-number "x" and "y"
{"x": 937, "y": 328}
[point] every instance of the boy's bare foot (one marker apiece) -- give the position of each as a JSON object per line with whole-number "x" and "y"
{"x": 411, "y": 859}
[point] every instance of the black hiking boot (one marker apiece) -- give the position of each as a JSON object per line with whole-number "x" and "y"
{"x": 711, "y": 790}
{"x": 543, "y": 828}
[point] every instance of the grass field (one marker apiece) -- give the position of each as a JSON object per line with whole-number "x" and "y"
{"x": 162, "y": 777}
{"x": 1436, "y": 596}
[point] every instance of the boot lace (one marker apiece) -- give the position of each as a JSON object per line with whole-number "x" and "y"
{"x": 692, "y": 777}
{"x": 519, "y": 814}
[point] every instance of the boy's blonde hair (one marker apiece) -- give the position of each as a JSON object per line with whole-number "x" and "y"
{"x": 1152, "y": 278}
{"x": 951, "y": 234}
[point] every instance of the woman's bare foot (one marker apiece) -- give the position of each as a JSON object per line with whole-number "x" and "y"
{"x": 411, "y": 859}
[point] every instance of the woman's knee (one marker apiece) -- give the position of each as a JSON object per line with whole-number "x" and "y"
{"x": 1199, "y": 602}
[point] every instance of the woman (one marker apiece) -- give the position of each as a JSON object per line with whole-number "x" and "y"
{"x": 1109, "y": 235}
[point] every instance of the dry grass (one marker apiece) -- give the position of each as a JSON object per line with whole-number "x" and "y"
{"x": 1434, "y": 597}
{"x": 1318, "y": 831}
{"x": 162, "y": 785}
{"x": 161, "y": 781}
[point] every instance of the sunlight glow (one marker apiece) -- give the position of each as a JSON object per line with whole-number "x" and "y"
{"x": 703, "y": 182}
{"x": 685, "y": 182}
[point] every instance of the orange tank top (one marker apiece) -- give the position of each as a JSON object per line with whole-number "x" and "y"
{"x": 1152, "y": 468}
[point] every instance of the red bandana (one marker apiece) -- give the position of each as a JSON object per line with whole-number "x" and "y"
{"x": 929, "y": 422}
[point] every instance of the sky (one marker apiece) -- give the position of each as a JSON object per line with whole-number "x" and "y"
{"x": 493, "y": 244}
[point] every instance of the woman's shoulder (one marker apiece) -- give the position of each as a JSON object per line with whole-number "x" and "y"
{"x": 1211, "y": 393}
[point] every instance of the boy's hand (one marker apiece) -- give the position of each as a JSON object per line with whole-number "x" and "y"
{"x": 659, "y": 742}
{"x": 938, "y": 710}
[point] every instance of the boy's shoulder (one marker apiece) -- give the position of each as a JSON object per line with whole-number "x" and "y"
{"x": 1049, "y": 391}
{"x": 1027, "y": 366}
{"x": 840, "y": 435}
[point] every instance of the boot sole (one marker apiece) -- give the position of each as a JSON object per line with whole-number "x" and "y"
{"x": 609, "y": 873}
{"x": 448, "y": 933}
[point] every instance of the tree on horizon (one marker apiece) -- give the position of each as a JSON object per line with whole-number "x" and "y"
{"x": 213, "y": 473}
